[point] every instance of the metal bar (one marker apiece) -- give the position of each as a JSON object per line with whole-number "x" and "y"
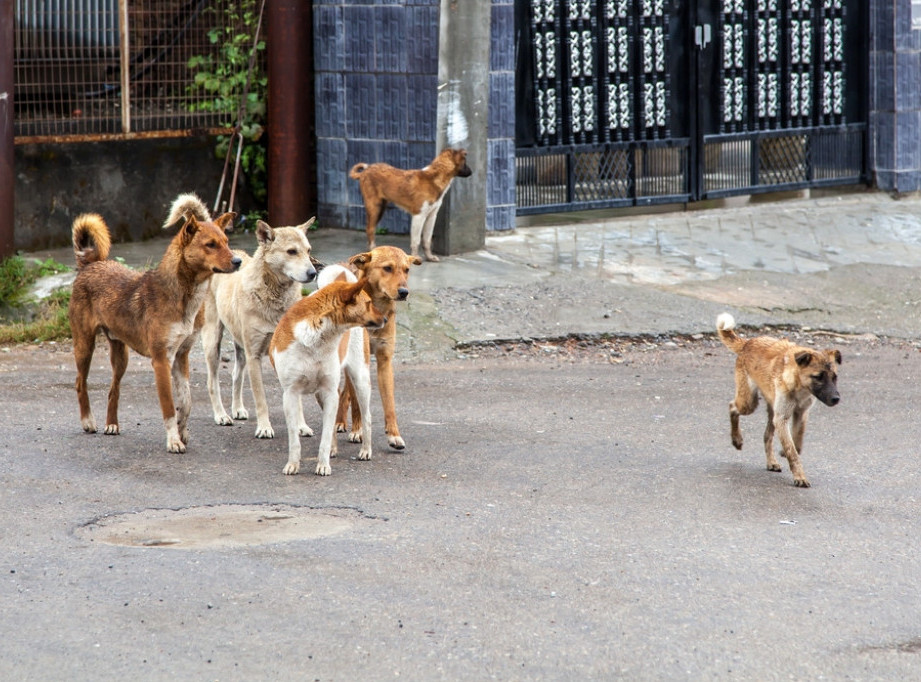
{"x": 292, "y": 128}
{"x": 7, "y": 149}
{"x": 125, "y": 56}
{"x": 106, "y": 137}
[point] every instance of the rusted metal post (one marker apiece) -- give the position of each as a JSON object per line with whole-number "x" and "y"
{"x": 291, "y": 123}
{"x": 7, "y": 175}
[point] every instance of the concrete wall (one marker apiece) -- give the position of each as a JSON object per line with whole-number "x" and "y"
{"x": 895, "y": 96}
{"x": 131, "y": 184}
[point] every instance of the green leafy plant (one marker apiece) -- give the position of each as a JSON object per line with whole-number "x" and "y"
{"x": 222, "y": 76}
{"x": 17, "y": 274}
{"x": 51, "y": 323}
{"x": 48, "y": 319}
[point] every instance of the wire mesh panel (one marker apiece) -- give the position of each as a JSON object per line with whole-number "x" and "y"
{"x": 94, "y": 69}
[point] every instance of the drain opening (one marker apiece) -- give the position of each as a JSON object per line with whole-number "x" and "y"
{"x": 219, "y": 526}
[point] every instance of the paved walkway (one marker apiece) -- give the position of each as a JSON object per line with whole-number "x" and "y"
{"x": 848, "y": 263}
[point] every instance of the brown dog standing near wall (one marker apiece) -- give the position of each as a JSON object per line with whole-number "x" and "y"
{"x": 418, "y": 192}
{"x": 790, "y": 378}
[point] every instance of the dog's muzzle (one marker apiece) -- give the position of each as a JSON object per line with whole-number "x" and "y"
{"x": 402, "y": 294}
{"x": 235, "y": 262}
{"x": 309, "y": 276}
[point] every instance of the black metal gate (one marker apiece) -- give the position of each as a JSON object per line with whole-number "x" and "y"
{"x": 629, "y": 102}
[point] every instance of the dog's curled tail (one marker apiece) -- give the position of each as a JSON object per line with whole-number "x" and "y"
{"x": 357, "y": 170}
{"x": 91, "y": 239}
{"x": 725, "y": 327}
{"x": 186, "y": 206}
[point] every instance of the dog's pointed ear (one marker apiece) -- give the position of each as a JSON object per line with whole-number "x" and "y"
{"x": 803, "y": 358}
{"x": 414, "y": 260}
{"x": 225, "y": 221}
{"x": 189, "y": 229}
{"x": 360, "y": 261}
{"x": 305, "y": 228}
{"x": 264, "y": 232}
{"x": 349, "y": 293}
{"x": 834, "y": 353}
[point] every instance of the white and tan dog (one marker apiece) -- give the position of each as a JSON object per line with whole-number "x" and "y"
{"x": 304, "y": 352}
{"x": 248, "y": 304}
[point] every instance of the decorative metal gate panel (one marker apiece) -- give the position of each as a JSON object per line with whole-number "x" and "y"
{"x": 626, "y": 102}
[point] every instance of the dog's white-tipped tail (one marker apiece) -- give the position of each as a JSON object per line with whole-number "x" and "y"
{"x": 725, "y": 329}
{"x": 185, "y": 206}
{"x": 725, "y": 322}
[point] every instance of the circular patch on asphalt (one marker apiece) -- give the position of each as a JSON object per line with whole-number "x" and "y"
{"x": 221, "y": 526}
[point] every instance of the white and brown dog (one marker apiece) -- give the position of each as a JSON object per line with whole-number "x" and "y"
{"x": 418, "y": 192}
{"x": 304, "y": 352}
{"x": 248, "y": 304}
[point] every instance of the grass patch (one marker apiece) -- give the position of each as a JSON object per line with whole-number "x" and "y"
{"x": 51, "y": 323}
{"x": 48, "y": 319}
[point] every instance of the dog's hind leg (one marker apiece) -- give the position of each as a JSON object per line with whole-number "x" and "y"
{"x": 237, "y": 411}
{"x": 772, "y": 463}
{"x": 211, "y": 335}
{"x": 375, "y": 210}
{"x": 293, "y": 414}
{"x": 303, "y": 428}
{"x": 84, "y": 345}
{"x": 744, "y": 403}
{"x": 415, "y": 233}
{"x": 360, "y": 377}
{"x": 118, "y": 356}
{"x": 428, "y": 229}
{"x": 263, "y": 423}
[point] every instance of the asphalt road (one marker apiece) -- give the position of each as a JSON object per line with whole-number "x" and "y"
{"x": 555, "y": 516}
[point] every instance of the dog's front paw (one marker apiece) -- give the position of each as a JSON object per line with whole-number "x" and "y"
{"x": 304, "y": 430}
{"x": 265, "y": 432}
{"x": 223, "y": 420}
{"x": 240, "y": 413}
{"x": 175, "y": 446}
{"x": 365, "y": 453}
{"x": 291, "y": 468}
{"x": 355, "y": 437}
{"x": 323, "y": 469}
{"x": 737, "y": 442}
{"x": 432, "y": 258}
{"x": 111, "y": 430}
{"x": 341, "y": 427}
{"x": 396, "y": 442}
{"x": 801, "y": 482}
{"x": 88, "y": 424}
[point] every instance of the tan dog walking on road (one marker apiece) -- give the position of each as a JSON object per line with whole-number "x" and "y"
{"x": 248, "y": 304}
{"x": 418, "y": 192}
{"x": 157, "y": 313}
{"x": 305, "y": 353}
{"x": 790, "y": 378}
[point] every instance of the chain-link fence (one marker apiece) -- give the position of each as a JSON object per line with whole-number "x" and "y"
{"x": 107, "y": 69}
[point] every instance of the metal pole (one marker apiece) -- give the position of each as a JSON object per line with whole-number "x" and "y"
{"x": 7, "y": 158}
{"x": 125, "y": 50}
{"x": 291, "y": 122}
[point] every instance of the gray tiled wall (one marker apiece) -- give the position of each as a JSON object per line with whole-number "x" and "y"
{"x": 895, "y": 96}
{"x": 376, "y": 65}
